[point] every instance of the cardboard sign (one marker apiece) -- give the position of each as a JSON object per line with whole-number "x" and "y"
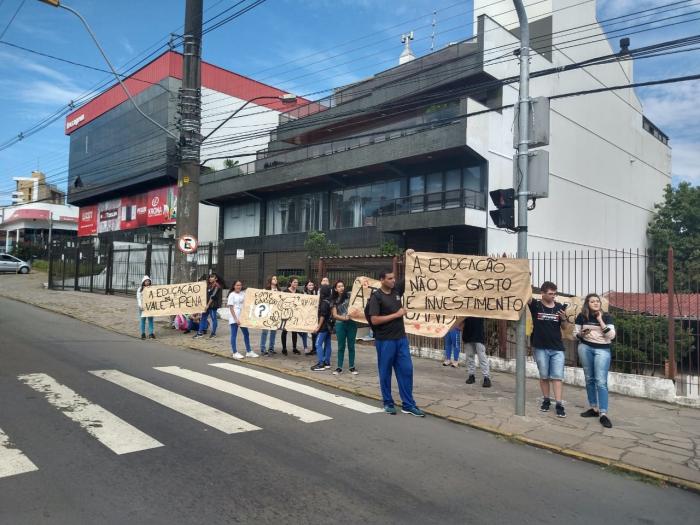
{"x": 173, "y": 299}
{"x": 268, "y": 310}
{"x": 466, "y": 285}
{"x": 428, "y": 325}
{"x": 573, "y": 308}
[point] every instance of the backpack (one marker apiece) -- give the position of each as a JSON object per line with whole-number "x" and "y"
{"x": 181, "y": 322}
{"x": 330, "y": 322}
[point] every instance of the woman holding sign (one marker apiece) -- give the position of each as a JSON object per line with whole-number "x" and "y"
{"x": 345, "y": 328}
{"x": 595, "y": 331}
{"x": 271, "y": 334}
{"x": 236, "y": 296}
{"x": 146, "y": 281}
{"x": 214, "y": 294}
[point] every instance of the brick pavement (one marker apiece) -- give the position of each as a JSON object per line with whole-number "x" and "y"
{"x": 650, "y": 438}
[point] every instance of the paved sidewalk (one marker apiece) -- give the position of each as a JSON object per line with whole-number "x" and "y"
{"x": 653, "y": 439}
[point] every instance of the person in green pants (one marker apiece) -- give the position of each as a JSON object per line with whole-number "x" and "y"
{"x": 345, "y": 328}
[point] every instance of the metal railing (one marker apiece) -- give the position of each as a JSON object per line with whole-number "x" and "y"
{"x": 442, "y": 200}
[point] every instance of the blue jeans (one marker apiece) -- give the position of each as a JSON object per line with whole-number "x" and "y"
{"x": 550, "y": 363}
{"x": 395, "y": 354}
{"x": 142, "y": 323}
{"x": 595, "y": 363}
{"x": 211, "y": 312}
{"x": 263, "y": 339}
{"x": 452, "y": 345}
{"x": 323, "y": 347}
{"x": 234, "y": 334}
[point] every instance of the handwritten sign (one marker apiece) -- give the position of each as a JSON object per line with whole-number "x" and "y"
{"x": 173, "y": 299}
{"x": 574, "y": 305}
{"x": 466, "y": 285}
{"x": 268, "y": 310}
{"x": 425, "y": 324}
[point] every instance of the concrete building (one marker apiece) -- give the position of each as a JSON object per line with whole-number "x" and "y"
{"x": 30, "y": 223}
{"x": 411, "y": 153}
{"x": 35, "y": 189}
{"x": 123, "y": 169}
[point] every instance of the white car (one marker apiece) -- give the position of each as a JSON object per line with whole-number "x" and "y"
{"x": 9, "y": 263}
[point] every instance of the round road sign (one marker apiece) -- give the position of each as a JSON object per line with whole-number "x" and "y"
{"x": 187, "y": 244}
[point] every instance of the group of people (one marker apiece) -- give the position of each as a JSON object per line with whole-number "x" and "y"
{"x": 593, "y": 328}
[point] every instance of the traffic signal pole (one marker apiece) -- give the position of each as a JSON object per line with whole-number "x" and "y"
{"x": 187, "y": 225}
{"x": 522, "y": 194}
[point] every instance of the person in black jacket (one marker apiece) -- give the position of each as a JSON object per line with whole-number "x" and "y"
{"x": 214, "y": 294}
{"x": 292, "y": 288}
{"x": 474, "y": 339}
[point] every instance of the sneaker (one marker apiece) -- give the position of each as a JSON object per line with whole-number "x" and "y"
{"x": 327, "y": 366}
{"x": 143, "y": 336}
{"x": 197, "y": 336}
{"x": 297, "y": 352}
{"x": 337, "y": 371}
{"x": 414, "y": 411}
{"x": 284, "y": 351}
{"x": 471, "y": 380}
{"x": 152, "y": 336}
{"x": 186, "y": 331}
{"x": 313, "y": 352}
{"x": 445, "y": 363}
{"x": 236, "y": 355}
{"x": 354, "y": 371}
{"x": 487, "y": 382}
{"x": 318, "y": 368}
{"x": 605, "y": 421}
{"x": 546, "y": 403}
{"x": 560, "y": 410}
{"x": 212, "y": 336}
{"x": 271, "y": 351}
{"x": 390, "y": 409}
{"x": 251, "y": 354}
{"x": 590, "y": 413}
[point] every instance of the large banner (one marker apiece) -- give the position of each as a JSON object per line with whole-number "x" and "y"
{"x": 573, "y": 308}
{"x": 466, "y": 285}
{"x": 153, "y": 208}
{"x": 425, "y": 324}
{"x": 268, "y": 310}
{"x": 173, "y": 299}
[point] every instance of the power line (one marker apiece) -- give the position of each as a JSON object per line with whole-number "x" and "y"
{"x": 19, "y": 7}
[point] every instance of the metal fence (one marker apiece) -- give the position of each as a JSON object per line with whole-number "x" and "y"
{"x": 653, "y": 298}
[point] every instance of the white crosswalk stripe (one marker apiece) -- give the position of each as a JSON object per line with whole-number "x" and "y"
{"x": 199, "y": 411}
{"x": 272, "y": 403}
{"x": 302, "y": 389}
{"x": 12, "y": 460}
{"x": 110, "y": 430}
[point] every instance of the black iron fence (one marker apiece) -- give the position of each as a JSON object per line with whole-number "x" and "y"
{"x": 654, "y": 300}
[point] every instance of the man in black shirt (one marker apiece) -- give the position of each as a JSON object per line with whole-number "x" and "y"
{"x": 386, "y": 315}
{"x": 547, "y": 344}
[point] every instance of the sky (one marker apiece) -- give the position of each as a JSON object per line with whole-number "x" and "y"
{"x": 300, "y": 46}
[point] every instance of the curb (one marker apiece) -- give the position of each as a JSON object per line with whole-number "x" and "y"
{"x": 563, "y": 451}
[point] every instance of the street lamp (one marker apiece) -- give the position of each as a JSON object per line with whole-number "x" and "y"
{"x": 57, "y": 3}
{"x": 286, "y": 98}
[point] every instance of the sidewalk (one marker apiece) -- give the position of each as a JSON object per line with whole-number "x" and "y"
{"x": 653, "y": 439}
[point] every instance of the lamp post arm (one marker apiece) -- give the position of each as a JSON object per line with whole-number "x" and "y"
{"x": 94, "y": 39}
{"x": 217, "y": 128}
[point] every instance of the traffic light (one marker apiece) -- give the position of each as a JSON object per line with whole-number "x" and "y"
{"x": 504, "y": 215}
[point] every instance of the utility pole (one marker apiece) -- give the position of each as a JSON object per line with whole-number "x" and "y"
{"x": 522, "y": 194}
{"x": 190, "y": 139}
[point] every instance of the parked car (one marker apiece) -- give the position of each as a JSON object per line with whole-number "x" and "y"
{"x": 10, "y": 263}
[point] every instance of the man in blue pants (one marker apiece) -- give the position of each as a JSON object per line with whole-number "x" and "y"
{"x": 386, "y": 316}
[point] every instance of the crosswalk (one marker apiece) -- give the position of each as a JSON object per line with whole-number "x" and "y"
{"x": 121, "y": 437}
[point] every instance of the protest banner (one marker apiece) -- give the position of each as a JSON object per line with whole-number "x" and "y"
{"x": 466, "y": 285}
{"x": 173, "y": 299}
{"x": 573, "y": 308}
{"x": 428, "y": 325}
{"x": 268, "y": 310}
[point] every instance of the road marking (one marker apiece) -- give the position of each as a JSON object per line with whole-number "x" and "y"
{"x": 110, "y": 430}
{"x": 184, "y": 405}
{"x": 12, "y": 460}
{"x": 307, "y": 416}
{"x": 302, "y": 389}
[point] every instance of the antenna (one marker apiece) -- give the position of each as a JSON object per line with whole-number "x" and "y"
{"x": 406, "y": 55}
{"x": 432, "y": 35}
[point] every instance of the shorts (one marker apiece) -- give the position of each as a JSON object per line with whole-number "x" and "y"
{"x": 550, "y": 363}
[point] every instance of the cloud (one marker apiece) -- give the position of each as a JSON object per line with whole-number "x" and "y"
{"x": 43, "y": 92}
{"x": 685, "y": 165}
{"x": 127, "y": 46}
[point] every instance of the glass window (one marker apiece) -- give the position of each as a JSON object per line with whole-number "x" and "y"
{"x": 299, "y": 213}
{"x": 433, "y": 188}
{"x": 416, "y": 189}
{"x": 471, "y": 178}
{"x": 358, "y": 207}
{"x": 453, "y": 188}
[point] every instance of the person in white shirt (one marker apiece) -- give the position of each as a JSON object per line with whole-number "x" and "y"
{"x": 235, "y": 303}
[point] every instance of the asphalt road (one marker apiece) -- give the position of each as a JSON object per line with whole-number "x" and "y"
{"x": 346, "y": 467}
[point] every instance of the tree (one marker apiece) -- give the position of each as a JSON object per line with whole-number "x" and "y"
{"x": 317, "y": 245}
{"x": 676, "y": 223}
{"x": 230, "y": 163}
{"x": 390, "y": 248}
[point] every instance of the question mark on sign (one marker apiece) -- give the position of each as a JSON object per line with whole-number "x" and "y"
{"x": 261, "y": 310}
